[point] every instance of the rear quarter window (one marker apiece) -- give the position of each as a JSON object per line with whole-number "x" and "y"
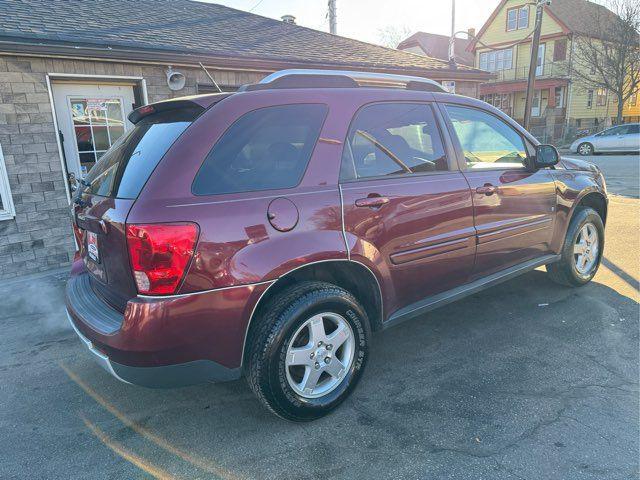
{"x": 265, "y": 149}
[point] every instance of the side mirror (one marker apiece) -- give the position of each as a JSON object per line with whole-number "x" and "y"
{"x": 546, "y": 156}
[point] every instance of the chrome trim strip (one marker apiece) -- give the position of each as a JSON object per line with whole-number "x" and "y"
{"x": 98, "y": 356}
{"x": 200, "y": 292}
{"x": 253, "y": 311}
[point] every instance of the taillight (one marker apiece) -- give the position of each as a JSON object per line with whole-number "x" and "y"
{"x": 160, "y": 255}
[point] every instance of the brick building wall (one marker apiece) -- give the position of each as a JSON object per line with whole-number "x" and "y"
{"x": 39, "y": 238}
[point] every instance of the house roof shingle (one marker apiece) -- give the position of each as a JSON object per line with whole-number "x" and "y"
{"x": 190, "y": 27}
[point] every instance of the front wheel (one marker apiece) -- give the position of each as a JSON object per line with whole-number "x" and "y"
{"x": 308, "y": 350}
{"x": 582, "y": 250}
{"x": 585, "y": 149}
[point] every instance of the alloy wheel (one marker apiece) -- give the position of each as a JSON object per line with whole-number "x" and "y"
{"x": 586, "y": 249}
{"x": 319, "y": 355}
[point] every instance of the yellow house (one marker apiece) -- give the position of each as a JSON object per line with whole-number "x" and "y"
{"x": 561, "y": 104}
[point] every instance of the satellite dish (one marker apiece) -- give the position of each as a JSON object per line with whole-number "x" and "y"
{"x": 175, "y": 80}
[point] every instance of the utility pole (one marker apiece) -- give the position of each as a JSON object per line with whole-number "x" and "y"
{"x": 452, "y": 39}
{"x": 535, "y": 44}
{"x": 333, "y": 17}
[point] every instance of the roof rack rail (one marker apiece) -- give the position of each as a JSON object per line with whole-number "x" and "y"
{"x": 303, "y": 78}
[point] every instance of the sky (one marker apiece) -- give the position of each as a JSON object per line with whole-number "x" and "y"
{"x": 363, "y": 19}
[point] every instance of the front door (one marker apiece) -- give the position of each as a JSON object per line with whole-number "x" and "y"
{"x": 514, "y": 208}
{"x": 406, "y": 209}
{"x": 91, "y": 118}
{"x": 540, "y": 61}
{"x": 535, "y": 104}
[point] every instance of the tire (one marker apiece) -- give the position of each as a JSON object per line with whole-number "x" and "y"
{"x": 570, "y": 270}
{"x": 585, "y": 149}
{"x": 281, "y": 325}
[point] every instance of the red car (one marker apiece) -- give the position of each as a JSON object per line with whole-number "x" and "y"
{"x": 269, "y": 232}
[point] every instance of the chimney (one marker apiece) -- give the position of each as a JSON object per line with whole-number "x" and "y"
{"x": 471, "y": 32}
{"x": 288, "y": 19}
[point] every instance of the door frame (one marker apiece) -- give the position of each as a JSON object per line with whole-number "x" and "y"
{"x": 140, "y": 83}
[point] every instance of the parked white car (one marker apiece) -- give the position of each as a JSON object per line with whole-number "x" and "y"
{"x": 621, "y": 138}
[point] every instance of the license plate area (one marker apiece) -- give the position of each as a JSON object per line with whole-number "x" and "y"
{"x": 92, "y": 247}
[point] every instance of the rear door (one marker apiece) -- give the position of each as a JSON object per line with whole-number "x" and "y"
{"x": 407, "y": 207}
{"x": 106, "y": 196}
{"x": 514, "y": 209}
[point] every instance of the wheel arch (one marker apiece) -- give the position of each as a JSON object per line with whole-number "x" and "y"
{"x": 595, "y": 200}
{"x": 353, "y": 276}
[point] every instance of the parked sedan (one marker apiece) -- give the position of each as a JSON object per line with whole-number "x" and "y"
{"x": 621, "y": 138}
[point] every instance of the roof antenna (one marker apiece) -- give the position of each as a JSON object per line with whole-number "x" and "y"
{"x": 210, "y": 77}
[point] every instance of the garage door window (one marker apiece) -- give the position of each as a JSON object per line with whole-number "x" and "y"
{"x": 6, "y": 202}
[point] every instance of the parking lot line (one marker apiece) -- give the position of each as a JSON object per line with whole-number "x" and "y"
{"x": 149, "y": 435}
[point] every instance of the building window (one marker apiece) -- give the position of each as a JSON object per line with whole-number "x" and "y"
{"x": 449, "y": 85}
{"x": 496, "y": 60}
{"x": 501, "y": 101}
{"x": 589, "y": 98}
{"x": 6, "y": 202}
{"x": 560, "y": 50}
{"x": 633, "y": 99}
{"x": 559, "y": 95}
{"x": 601, "y": 97}
{"x": 517, "y": 18}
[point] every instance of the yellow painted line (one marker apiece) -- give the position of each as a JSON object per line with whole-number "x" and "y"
{"x": 132, "y": 458}
{"x": 149, "y": 435}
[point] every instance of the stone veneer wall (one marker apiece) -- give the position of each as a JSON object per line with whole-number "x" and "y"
{"x": 39, "y": 238}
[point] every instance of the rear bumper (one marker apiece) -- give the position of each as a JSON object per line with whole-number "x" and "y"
{"x": 168, "y": 341}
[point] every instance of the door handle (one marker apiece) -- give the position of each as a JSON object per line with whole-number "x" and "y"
{"x": 487, "y": 189}
{"x": 372, "y": 202}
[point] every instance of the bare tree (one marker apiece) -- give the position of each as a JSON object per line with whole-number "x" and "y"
{"x": 391, "y": 35}
{"x": 609, "y": 57}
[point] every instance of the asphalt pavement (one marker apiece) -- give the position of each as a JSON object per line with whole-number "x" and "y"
{"x": 527, "y": 380}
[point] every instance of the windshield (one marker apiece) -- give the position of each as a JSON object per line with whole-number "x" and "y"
{"x": 125, "y": 167}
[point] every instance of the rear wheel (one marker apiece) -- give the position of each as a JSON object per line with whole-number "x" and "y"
{"x": 585, "y": 149}
{"x": 308, "y": 350}
{"x": 582, "y": 250}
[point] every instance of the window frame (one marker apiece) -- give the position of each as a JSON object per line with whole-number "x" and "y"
{"x": 327, "y": 109}
{"x": 518, "y": 11}
{"x": 7, "y": 211}
{"x": 601, "y": 94}
{"x": 493, "y": 55}
{"x": 590, "y": 98}
{"x": 448, "y": 148}
{"x": 462, "y": 164}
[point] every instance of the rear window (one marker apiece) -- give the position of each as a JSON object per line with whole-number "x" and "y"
{"x": 125, "y": 167}
{"x": 265, "y": 149}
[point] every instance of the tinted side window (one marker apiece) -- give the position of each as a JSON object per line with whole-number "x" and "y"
{"x": 390, "y": 139}
{"x": 265, "y": 149}
{"x": 486, "y": 141}
{"x": 633, "y": 129}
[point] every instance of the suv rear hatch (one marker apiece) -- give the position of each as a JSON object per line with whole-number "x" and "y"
{"x": 107, "y": 194}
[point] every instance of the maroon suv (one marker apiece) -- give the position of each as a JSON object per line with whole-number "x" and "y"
{"x": 268, "y": 232}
